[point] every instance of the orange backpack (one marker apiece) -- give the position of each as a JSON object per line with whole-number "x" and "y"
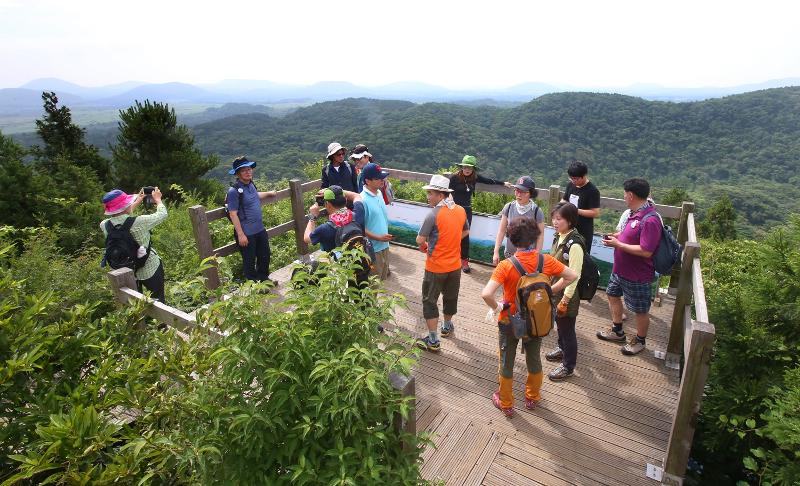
{"x": 536, "y": 312}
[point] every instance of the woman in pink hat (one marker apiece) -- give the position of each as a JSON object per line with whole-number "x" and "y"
{"x": 145, "y": 263}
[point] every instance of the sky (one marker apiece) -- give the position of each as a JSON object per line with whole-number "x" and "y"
{"x": 455, "y": 44}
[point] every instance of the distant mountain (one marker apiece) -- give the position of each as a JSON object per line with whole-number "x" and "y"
{"x": 173, "y": 93}
{"x": 19, "y": 101}
{"x": 87, "y": 93}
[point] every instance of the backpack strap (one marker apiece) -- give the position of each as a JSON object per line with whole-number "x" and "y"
{"x": 126, "y": 226}
{"x": 518, "y": 265}
{"x": 540, "y": 265}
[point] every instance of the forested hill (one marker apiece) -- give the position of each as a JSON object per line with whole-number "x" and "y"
{"x": 747, "y": 146}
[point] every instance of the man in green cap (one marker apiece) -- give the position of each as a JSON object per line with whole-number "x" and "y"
{"x": 463, "y": 185}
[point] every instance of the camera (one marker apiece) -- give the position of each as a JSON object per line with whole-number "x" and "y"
{"x": 320, "y": 200}
{"x": 606, "y": 237}
{"x": 148, "y": 195}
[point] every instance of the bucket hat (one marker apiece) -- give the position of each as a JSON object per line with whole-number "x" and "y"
{"x": 469, "y": 161}
{"x": 334, "y": 147}
{"x": 240, "y": 162}
{"x": 438, "y": 183}
{"x": 116, "y": 201}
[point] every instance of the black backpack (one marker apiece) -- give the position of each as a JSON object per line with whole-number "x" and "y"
{"x": 351, "y": 236}
{"x": 121, "y": 248}
{"x": 668, "y": 251}
{"x": 590, "y": 274}
{"x": 240, "y": 189}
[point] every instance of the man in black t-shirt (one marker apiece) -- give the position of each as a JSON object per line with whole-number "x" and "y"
{"x": 583, "y": 194}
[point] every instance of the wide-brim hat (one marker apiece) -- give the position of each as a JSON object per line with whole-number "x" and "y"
{"x": 117, "y": 201}
{"x": 438, "y": 183}
{"x": 333, "y": 148}
{"x": 239, "y": 163}
{"x": 469, "y": 161}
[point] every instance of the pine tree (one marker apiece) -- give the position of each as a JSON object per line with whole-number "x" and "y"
{"x": 152, "y": 149}
{"x": 62, "y": 138}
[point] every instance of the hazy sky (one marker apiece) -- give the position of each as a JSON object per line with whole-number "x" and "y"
{"x": 457, "y": 44}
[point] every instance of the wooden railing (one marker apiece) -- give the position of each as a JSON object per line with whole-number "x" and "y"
{"x": 689, "y": 338}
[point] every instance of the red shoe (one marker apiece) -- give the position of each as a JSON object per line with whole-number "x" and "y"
{"x": 530, "y": 404}
{"x": 465, "y": 266}
{"x": 508, "y": 412}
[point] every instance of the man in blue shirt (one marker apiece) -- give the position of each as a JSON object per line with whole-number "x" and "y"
{"x": 376, "y": 218}
{"x": 338, "y": 215}
{"x": 244, "y": 207}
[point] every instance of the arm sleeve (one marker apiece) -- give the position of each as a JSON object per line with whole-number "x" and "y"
{"x": 148, "y": 221}
{"x": 539, "y": 215}
{"x": 651, "y": 234}
{"x": 593, "y": 199}
{"x": 319, "y": 232}
{"x": 427, "y": 224}
{"x": 232, "y": 199}
{"x": 359, "y": 213}
{"x": 325, "y": 182}
{"x": 575, "y": 263}
{"x": 486, "y": 180}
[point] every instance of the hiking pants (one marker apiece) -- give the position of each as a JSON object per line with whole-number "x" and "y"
{"x": 567, "y": 341}
{"x": 154, "y": 284}
{"x": 465, "y": 240}
{"x": 508, "y": 353}
{"x": 255, "y": 257}
{"x": 444, "y": 284}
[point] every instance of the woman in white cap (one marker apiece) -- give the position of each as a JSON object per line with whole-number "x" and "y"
{"x": 463, "y": 185}
{"x": 524, "y": 206}
{"x": 337, "y": 172}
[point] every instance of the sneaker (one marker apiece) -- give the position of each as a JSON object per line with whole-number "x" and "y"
{"x": 447, "y": 329}
{"x": 508, "y": 412}
{"x": 530, "y": 404}
{"x": 428, "y": 345}
{"x": 632, "y": 347}
{"x": 555, "y": 355}
{"x": 465, "y": 266}
{"x": 610, "y": 335}
{"x": 560, "y": 373}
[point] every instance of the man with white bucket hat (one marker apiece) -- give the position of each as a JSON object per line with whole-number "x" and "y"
{"x": 440, "y": 238}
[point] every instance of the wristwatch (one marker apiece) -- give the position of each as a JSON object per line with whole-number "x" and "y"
{"x": 310, "y": 217}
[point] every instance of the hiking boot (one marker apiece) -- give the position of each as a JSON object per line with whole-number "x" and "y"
{"x": 530, "y": 404}
{"x": 632, "y": 347}
{"x": 560, "y": 373}
{"x": 448, "y": 329}
{"x": 555, "y": 355}
{"x": 428, "y": 345}
{"x": 508, "y": 412}
{"x": 465, "y": 266}
{"x": 610, "y": 335}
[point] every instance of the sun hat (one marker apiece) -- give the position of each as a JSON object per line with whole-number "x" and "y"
{"x": 116, "y": 201}
{"x": 334, "y": 194}
{"x": 360, "y": 155}
{"x": 334, "y": 147}
{"x": 438, "y": 183}
{"x": 240, "y": 162}
{"x": 469, "y": 161}
{"x": 374, "y": 171}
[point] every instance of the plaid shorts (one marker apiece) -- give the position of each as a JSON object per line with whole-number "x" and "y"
{"x": 636, "y": 294}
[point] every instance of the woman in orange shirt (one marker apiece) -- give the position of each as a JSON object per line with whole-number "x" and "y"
{"x": 523, "y": 233}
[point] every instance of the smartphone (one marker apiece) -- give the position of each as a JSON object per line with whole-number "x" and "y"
{"x": 606, "y": 237}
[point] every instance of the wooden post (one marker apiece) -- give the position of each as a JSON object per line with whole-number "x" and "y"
{"x": 682, "y": 299}
{"x": 407, "y": 387}
{"x": 693, "y": 381}
{"x": 121, "y": 278}
{"x": 298, "y": 215}
{"x": 555, "y": 198}
{"x": 205, "y": 248}
{"x": 682, "y": 236}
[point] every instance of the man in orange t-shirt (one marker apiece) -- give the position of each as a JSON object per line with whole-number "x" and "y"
{"x": 523, "y": 233}
{"x": 440, "y": 237}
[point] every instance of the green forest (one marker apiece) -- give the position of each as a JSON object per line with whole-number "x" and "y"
{"x": 71, "y": 361}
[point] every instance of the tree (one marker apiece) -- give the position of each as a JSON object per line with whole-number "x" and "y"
{"x": 676, "y": 196}
{"x": 62, "y": 138}
{"x": 153, "y": 150}
{"x": 720, "y": 221}
{"x": 17, "y": 185}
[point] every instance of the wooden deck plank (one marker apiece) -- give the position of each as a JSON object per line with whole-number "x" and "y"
{"x": 601, "y": 427}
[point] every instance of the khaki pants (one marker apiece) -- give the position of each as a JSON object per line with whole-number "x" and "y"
{"x": 381, "y": 265}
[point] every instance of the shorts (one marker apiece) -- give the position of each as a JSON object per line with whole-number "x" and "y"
{"x": 636, "y": 294}
{"x": 444, "y": 284}
{"x": 380, "y": 266}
